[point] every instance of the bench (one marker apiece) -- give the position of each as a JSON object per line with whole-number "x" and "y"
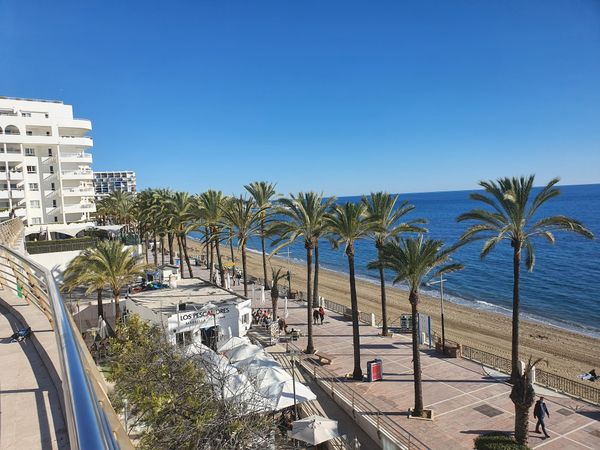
{"x": 324, "y": 359}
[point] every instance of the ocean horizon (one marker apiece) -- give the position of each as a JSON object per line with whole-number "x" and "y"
{"x": 559, "y": 292}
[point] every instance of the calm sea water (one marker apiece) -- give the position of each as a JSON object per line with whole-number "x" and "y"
{"x": 562, "y": 290}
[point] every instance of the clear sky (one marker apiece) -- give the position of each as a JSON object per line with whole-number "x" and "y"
{"x": 342, "y": 97}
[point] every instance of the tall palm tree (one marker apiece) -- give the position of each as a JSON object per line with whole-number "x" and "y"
{"x": 182, "y": 223}
{"x": 347, "y": 224}
{"x": 514, "y": 217}
{"x": 276, "y": 276}
{"x": 382, "y": 210}
{"x": 303, "y": 217}
{"x": 262, "y": 192}
{"x": 112, "y": 261}
{"x": 80, "y": 273}
{"x": 212, "y": 206}
{"x": 412, "y": 261}
{"x": 244, "y": 218}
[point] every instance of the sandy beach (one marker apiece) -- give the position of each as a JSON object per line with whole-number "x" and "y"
{"x": 565, "y": 353}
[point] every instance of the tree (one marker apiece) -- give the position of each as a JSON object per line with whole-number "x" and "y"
{"x": 515, "y": 217}
{"x": 244, "y": 218}
{"x": 522, "y": 395}
{"x": 302, "y": 217}
{"x": 80, "y": 273}
{"x": 276, "y": 276}
{"x": 349, "y": 223}
{"x": 110, "y": 260}
{"x": 412, "y": 261}
{"x": 212, "y": 205}
{"x": 262, "y": 192}
{"x": 182, "y": 222}
{"x": 382, "y": 209}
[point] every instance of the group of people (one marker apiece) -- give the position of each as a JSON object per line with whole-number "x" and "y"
{"x": 318, "y": 314}
{"x": 262, "y": 316}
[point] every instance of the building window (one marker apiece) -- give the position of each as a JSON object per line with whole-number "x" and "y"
{"x": 25, "y": 114}
{"x": 54, "y": 203}
{"x": 246, "y": 318}
{"x": 34, "y": 203}
{"x": 52, "y": 187}
{"x": 29, "y": 152}
{"x": 49, "y": 152}
{"x": 34, "y": 187}
{"x": 51, "y": 169}
{"x": 31, "y": 169}
{"x": 36, "y": 221}
{"x": 184, "y": 338}
{"x": 55, "y": 219}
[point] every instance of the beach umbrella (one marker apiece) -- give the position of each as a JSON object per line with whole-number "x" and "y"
{"x": 315, "y": 429}
{"x": 243, "y": 352}
{"x": 286, "y": 395}
{"x": 233, "y": 342}
{"x": 102, "y": 328}
{"x": 256, "y": 364}
{"x": 228, "y": 282}
{"x": 285, "y": 308}
{"x": 270, "y": 382}
{"x": 262, "y": 295}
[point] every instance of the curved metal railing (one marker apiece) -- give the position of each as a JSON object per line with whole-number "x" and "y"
{"x": 92, "y": 422}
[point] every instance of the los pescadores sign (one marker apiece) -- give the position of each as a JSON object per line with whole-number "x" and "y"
{"x": 191, "y": 317}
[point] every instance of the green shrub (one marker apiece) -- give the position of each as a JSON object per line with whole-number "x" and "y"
{"x": 498, "y": 441}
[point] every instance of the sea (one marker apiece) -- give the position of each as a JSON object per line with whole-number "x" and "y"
{"x": 562, "y": 291}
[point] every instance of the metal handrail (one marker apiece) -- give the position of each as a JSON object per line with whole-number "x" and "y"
{"x": 91, "y": 421}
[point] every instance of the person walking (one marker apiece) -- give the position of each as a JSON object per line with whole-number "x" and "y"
{"x": 321, "y": 314}
{"x": 315, "y": 317}
{"x": 540, "y": 411}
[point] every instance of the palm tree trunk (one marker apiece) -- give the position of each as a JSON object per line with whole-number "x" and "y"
{"x": 384, "y": 330}
{"x": 274, "y": 299}
{"x": 220, "y": 262}
{"x": 264, "y": 255}
{"x": 357, "y": 373}
{"x": 170, "y": 241}
{"x": 162, "y": 249}
{"x": 211, "y": 260}
{"x": 117, "y": 309}
{"x": 180, "y": 255}
{"x": 100, "y": 305}
{"x": 232, "y": 257}
{"x": 515, "y": 313}
{"x": 185, "y": 253}
{"x": 155, "y": 250}
{"x": 310, "y": 348}
{"x": 206, "y": 245}
{"x": 414, "y": 300}
{"x": 521, "y": 424}
{"x": 147, "y": 245}
{"x": 315, "y": 299}
{"x": 244, "y": 270}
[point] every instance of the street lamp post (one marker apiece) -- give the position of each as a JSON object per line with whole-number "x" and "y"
{"x": 293, "y": 361}
{"x": 441, "y": 283}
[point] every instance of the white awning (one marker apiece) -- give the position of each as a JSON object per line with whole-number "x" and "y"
{"x": 113, "y": 228}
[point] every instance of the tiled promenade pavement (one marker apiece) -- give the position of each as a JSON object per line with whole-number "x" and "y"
{"x": 466, "y": 401}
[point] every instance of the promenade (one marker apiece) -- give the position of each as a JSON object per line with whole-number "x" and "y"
{"x": 467, "y": 399}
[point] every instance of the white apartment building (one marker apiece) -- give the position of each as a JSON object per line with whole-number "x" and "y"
{"x": 113, "y": 181}
{"x": 45, "y": 173}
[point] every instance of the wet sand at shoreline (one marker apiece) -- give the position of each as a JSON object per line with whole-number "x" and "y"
{"x": 566, "y": 353}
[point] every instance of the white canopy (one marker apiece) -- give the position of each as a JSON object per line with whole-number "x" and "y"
{"x": 242, "y": 352}
{"x": 315, "y": 429}
{"x": 233, "y": 342}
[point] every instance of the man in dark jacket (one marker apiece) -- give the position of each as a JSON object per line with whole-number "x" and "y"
{"x": 540, "y": 411}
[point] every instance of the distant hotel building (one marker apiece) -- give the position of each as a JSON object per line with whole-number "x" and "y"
{"x": 45, "y": 173}
{"x": 107, "y": 182}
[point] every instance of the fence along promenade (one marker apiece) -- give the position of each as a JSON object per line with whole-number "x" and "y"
{"x": 92, "y": 422}
{"x": 574, "y": 388}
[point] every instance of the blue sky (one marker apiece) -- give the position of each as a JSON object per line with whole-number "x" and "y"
{"x": 341, "y": 97}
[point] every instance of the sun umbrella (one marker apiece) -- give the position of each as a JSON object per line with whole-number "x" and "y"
{"x": 315, "y": 429}
{"x": 285, "y": 308}
{"x": 286, "y": 396}
{"x": 242, "y": 352}
{"x": 102, "y": 329}
{"x": 262, "y": 295}
{"x": 233, "y": 342}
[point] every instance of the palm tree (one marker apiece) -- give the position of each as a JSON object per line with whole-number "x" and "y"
{"x": 304, "y": 217}
{"x": 262, "y": 192}
{"x": 182, "y": 223}
{"x": 412, "y": 261}
{"x": 347, "y": 224}
{"x": 111, "y": 262}
{"x": 515, "y": 218}
{"x": 382, "y": 209}
{"x": 276, "y": 276}
{"x": 212, "y": 205}
{"x": 80, "y": 273}
{"x": 244, "y": 218}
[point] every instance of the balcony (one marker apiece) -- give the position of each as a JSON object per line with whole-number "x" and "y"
{"x": 80, "y": 208}
{"x": 77, "y": 174}
{"x": 80, "y": 141}
{"x": 15, "y": 175}
{"x": 17, "y": 193}
{"x": 76, "y": 157}
{"x": 78, "y": 192}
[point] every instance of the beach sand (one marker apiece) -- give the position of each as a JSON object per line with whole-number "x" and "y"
{"x": 564, "y": 353}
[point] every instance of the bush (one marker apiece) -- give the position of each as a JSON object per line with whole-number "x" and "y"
{"x": 498, "y": 441}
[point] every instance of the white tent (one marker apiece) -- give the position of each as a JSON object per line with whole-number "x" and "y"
{"x": 243, "y": 352}
{"x": 256, "y": 363}
{"x": 286, "y": 396}
{"x": 233, "y": 342}
{"x": 315, "y": 429}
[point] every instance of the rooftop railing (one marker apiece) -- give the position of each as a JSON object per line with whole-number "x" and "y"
{"x": 92, "y": 423}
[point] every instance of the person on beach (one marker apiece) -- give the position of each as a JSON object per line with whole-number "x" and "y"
{"x": 321, "y": 314}
{"x": 315, "y": 317}
{"x": 540, "y": 411}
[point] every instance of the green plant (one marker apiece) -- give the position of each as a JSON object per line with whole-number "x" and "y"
{"x": 497, "y": 441}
